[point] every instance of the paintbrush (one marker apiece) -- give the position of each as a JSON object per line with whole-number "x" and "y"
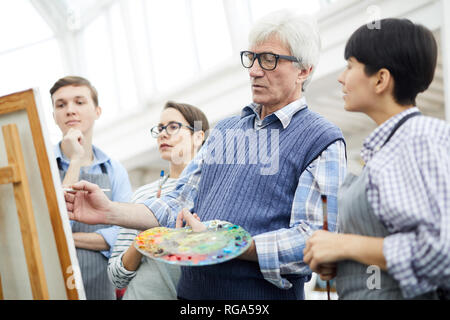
{"x": 325, "y": 227}
{"x": 161, "y": 182}
{"x": 70, "y": 190}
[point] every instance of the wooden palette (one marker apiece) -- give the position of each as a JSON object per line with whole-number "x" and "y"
{"x": 220, "y": 242}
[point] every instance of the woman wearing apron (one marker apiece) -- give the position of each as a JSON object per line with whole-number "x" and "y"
{"x": 394, "y": 218}
{"x": 75, "y": 109}
{"x": 178, "y": 143}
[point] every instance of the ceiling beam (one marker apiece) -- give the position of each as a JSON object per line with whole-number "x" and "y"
{"x": 90, "y": 14}
{"x": 53, "y": 13}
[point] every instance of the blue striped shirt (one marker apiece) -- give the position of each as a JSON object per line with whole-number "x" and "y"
{"x": 279, "y": 252}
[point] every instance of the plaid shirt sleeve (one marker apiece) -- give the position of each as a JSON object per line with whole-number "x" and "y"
{"x": 185, "y": 194}
{"x": 410, "y": 193}
{"x": 280, "y": 252}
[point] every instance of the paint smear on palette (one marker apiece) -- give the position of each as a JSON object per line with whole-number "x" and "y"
{"x": 220, "y": 242}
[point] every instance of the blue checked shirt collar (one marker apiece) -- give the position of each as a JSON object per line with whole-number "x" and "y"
{"x": 376, "y": 139}
{"x": 285, "y": 114}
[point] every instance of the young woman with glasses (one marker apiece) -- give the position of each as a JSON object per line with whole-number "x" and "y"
{"x": 180, "y": 134}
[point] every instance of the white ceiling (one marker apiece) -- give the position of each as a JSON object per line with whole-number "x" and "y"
{"x": 69, "y": 15}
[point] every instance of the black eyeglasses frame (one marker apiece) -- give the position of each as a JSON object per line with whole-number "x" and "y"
{"x": 257, "y": 56}
{"x": 155, "y": 130}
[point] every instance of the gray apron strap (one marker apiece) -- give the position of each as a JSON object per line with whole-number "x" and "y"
{"x": 400, "y": 123}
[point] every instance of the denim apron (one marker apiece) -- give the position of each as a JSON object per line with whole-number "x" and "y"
{"x": 93, "y": 264}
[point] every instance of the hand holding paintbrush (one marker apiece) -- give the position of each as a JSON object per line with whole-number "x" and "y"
{"x": 322, "y": 250}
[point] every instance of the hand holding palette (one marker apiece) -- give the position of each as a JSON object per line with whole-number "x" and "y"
{"x": 220, "y": 242}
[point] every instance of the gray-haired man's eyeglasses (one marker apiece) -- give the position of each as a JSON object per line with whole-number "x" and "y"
{"x": 267, "y": 60}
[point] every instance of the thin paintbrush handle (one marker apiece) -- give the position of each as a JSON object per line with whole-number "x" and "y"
{"x": 70, "y": 190}
{"x": 328, "y": 290}
{"x": 325, "y": 213}
{"x": 161, "y": 182}
{"x": 325, "y": 227}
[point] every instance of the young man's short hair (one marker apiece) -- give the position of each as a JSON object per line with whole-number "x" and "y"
{"x": 409, "y": 51}
{"x": 77, "y": 82}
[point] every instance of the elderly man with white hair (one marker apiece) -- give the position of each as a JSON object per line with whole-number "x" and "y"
{"x": 264, "y": 170}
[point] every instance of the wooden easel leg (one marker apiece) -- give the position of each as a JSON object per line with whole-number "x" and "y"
{"x": 25, "y": 212}
{"x": 1, "y": 289}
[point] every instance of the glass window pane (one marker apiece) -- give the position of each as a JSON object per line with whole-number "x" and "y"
{"x": 99, "y": 66}
{"x": 141, "y": 50}
{"x": 122, "y": 62}
{"x": 211, "y": 32}
{"x": 37, "y": 66}
{"x": 171, "y": 41}
{"x": 262, "y": 7}
{"x": 21, "y": 24}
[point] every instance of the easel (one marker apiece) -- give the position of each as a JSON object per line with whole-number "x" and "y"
{"x": 15, "y": 173}
{"x": 1, "y": 290}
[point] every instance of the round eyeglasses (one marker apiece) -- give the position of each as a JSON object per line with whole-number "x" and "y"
{"x": 171, "y": 128}
{"x": 267, "y": 60}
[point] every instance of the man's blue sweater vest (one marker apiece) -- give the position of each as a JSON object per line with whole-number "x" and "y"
{"x": 240, "y": 185}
